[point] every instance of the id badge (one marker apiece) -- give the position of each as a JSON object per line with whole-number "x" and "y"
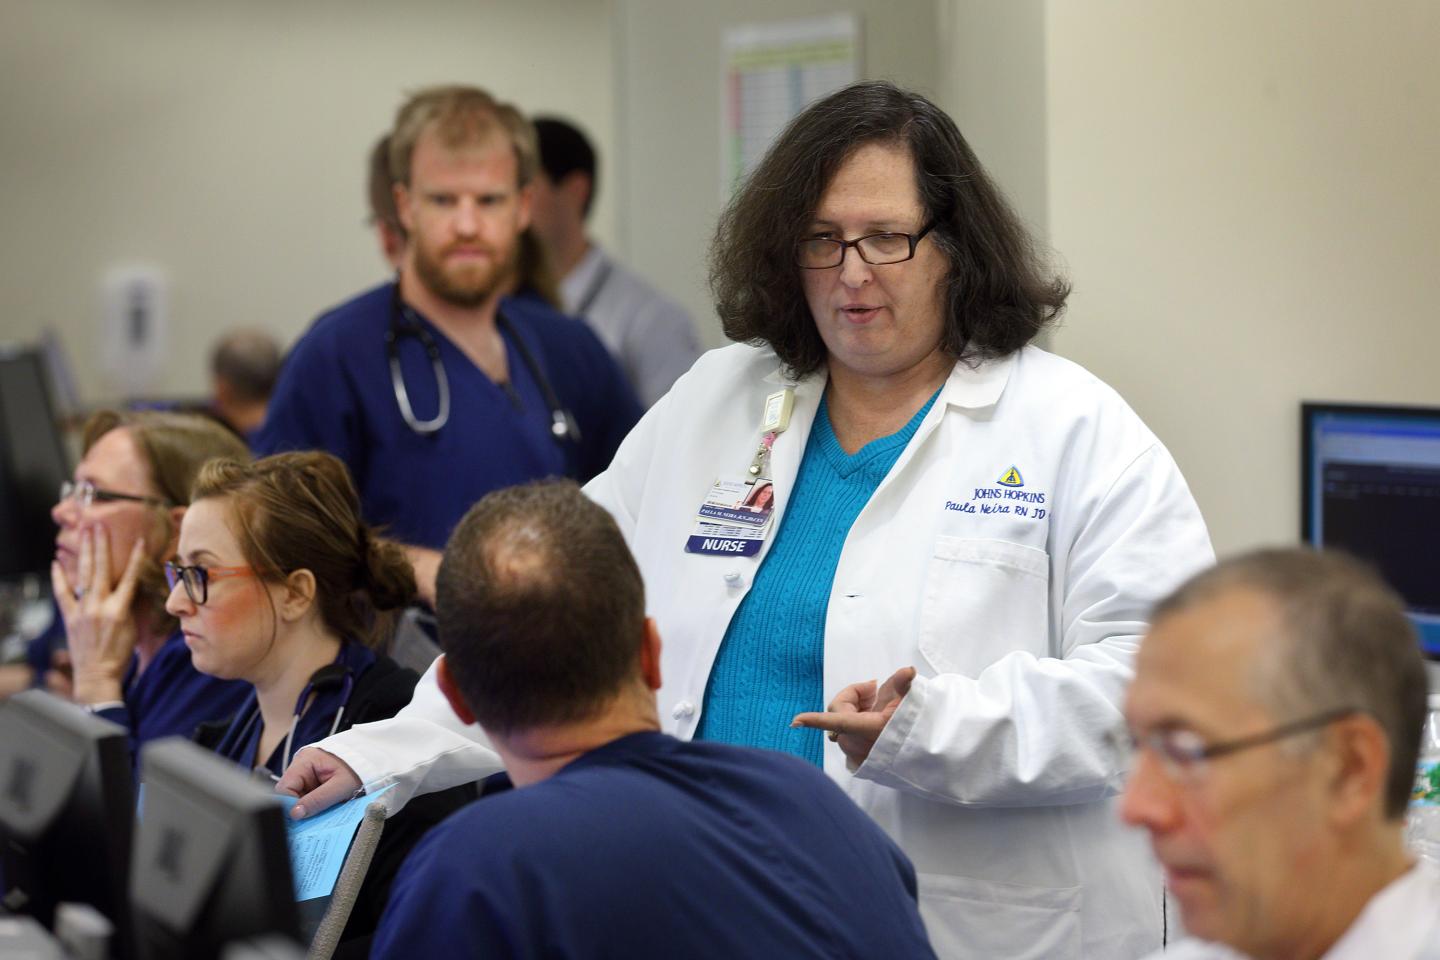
{"x": 734, "y": 520}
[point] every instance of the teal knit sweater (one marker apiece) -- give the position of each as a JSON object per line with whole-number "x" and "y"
{"x": 771, "y": 662}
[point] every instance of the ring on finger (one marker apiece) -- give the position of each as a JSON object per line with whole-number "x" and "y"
{"x": 834, "y": 736}
{"x": 79, "y": 593}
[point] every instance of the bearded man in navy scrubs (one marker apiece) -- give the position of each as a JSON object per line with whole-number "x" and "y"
{"x": 619, "y": 841}
{"x": 368, "y": 381}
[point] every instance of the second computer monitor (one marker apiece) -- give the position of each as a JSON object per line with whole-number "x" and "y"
{"x": 211, "y": 864}
{"x": 66, "y": 811}
{"x": 33, "y": 463}
{"x": 1371, "y": 486}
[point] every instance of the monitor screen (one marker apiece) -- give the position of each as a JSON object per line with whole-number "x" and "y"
{"x": 66, "y": 811}
{"x": 63, "y": 391}
{"x": 1371, "y": 486}
{"x": 211, "y": 863}
{"x": 33, "y": 463}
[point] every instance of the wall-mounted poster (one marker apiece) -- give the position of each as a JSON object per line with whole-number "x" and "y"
{"x": 771, "y": 71}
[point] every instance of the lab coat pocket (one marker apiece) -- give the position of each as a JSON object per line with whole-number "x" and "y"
{"x": 982, "y": 600}
{"x": 987, "y": 919}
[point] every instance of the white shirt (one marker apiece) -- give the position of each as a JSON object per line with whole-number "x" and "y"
{"x": 1021, "y": 605}
{"x": 650, "y": 335}
{"x": 1401, "y": 922}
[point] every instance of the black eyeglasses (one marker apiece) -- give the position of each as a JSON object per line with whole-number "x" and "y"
{"x": 1183, "y": 752}
{"x": 876, "y": 249}
{"x": 86, "y": 494}
{"x": 197, "y": 579}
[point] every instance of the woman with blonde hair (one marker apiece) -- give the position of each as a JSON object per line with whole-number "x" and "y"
{"x": 118, "y": 522}
{"x": 279, "y": 583}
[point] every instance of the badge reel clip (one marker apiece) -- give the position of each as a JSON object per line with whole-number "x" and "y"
{"x": 735, "y": 518}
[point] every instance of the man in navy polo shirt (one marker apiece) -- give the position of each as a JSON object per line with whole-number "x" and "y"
{"x": 620, "y": 841}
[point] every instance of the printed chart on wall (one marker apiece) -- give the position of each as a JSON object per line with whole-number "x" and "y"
{"x": 771, "y": 72}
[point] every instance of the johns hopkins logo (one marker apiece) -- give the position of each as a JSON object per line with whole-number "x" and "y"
{"x": 1005, "y": 497}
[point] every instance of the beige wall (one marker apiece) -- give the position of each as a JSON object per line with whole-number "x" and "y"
{"x": 226, "y": 142}
{"x": 1244, "y": 197}
{"x": 1246, "y": 194}
{"x": 992, "y": 81}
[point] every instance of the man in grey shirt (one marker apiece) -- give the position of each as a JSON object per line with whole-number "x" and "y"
{"x": 650, "y": 335}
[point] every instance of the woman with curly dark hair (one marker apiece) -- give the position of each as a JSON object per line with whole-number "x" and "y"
{"x": 995, "y": 291}
{"x": 954, "y": 509}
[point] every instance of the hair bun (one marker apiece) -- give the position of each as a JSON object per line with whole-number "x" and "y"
{"x": 385, "y": 573}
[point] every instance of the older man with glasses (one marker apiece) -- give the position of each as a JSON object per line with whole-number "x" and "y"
{"x": 1276, "y": 715}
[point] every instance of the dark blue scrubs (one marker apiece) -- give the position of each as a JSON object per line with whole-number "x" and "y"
{"x": 40, "y": 651}
{"x": 335, "y": 394}
{"x": 651, "y": 846}
{"x": 242, "y": 739}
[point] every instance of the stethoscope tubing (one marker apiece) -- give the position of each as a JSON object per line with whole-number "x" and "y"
{"x": 397, "y": 379}
{"x": 231, "y": 744}
{"x": 404, "y": 322}
{"x": 347, "y": 687}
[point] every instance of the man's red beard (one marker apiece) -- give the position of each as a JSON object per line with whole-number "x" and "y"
{"x": 471, "y": 285}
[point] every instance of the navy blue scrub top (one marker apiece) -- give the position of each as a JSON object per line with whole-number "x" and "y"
{"x": 335, "y": 394}
{"x": 242, "y": 738}
{"x": 650, "y": 846}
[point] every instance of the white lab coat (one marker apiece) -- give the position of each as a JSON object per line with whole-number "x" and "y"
{"x": 996, "y": 775}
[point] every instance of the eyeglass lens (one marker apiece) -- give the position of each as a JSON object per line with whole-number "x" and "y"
{"x": 194, "y": 578}
{"x": 877, "y": 249}
{"x": 82, "y": 493}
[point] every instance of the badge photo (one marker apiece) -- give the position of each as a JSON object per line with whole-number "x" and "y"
{"x": 734, "y": 519}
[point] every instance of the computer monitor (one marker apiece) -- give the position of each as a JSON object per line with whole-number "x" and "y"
{"x": 211, "y": 864}
{"x": 1371, "y": 486}
{"x": 64, "y": 393}
{"x": 33, "y": 463}
{"x": 66, "y": 811}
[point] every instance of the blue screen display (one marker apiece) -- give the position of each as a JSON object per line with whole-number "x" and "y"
{"x": 1373, "y": 483}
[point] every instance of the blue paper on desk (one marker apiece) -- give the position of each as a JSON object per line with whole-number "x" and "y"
{"x": 318, "y": 844}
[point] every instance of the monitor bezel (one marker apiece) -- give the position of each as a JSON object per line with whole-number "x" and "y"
{"x": 249, "y": 860}
{"x": 1309, "y": 411}
{"x": 35, "y": 357}
{"x": 98, "y": 781}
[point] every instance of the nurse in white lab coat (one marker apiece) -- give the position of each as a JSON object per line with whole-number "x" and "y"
{"x": 1009, "y": 556}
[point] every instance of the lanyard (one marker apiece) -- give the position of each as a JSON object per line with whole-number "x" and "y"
{"x": 602, "y": 277}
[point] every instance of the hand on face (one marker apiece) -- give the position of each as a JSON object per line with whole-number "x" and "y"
{"x": 858, "y": 714}
{"x": 99, "y": 623}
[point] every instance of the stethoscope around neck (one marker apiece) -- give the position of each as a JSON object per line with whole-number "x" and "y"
{"x": 332, "y": 676}
{"x": 404, "y": 323}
